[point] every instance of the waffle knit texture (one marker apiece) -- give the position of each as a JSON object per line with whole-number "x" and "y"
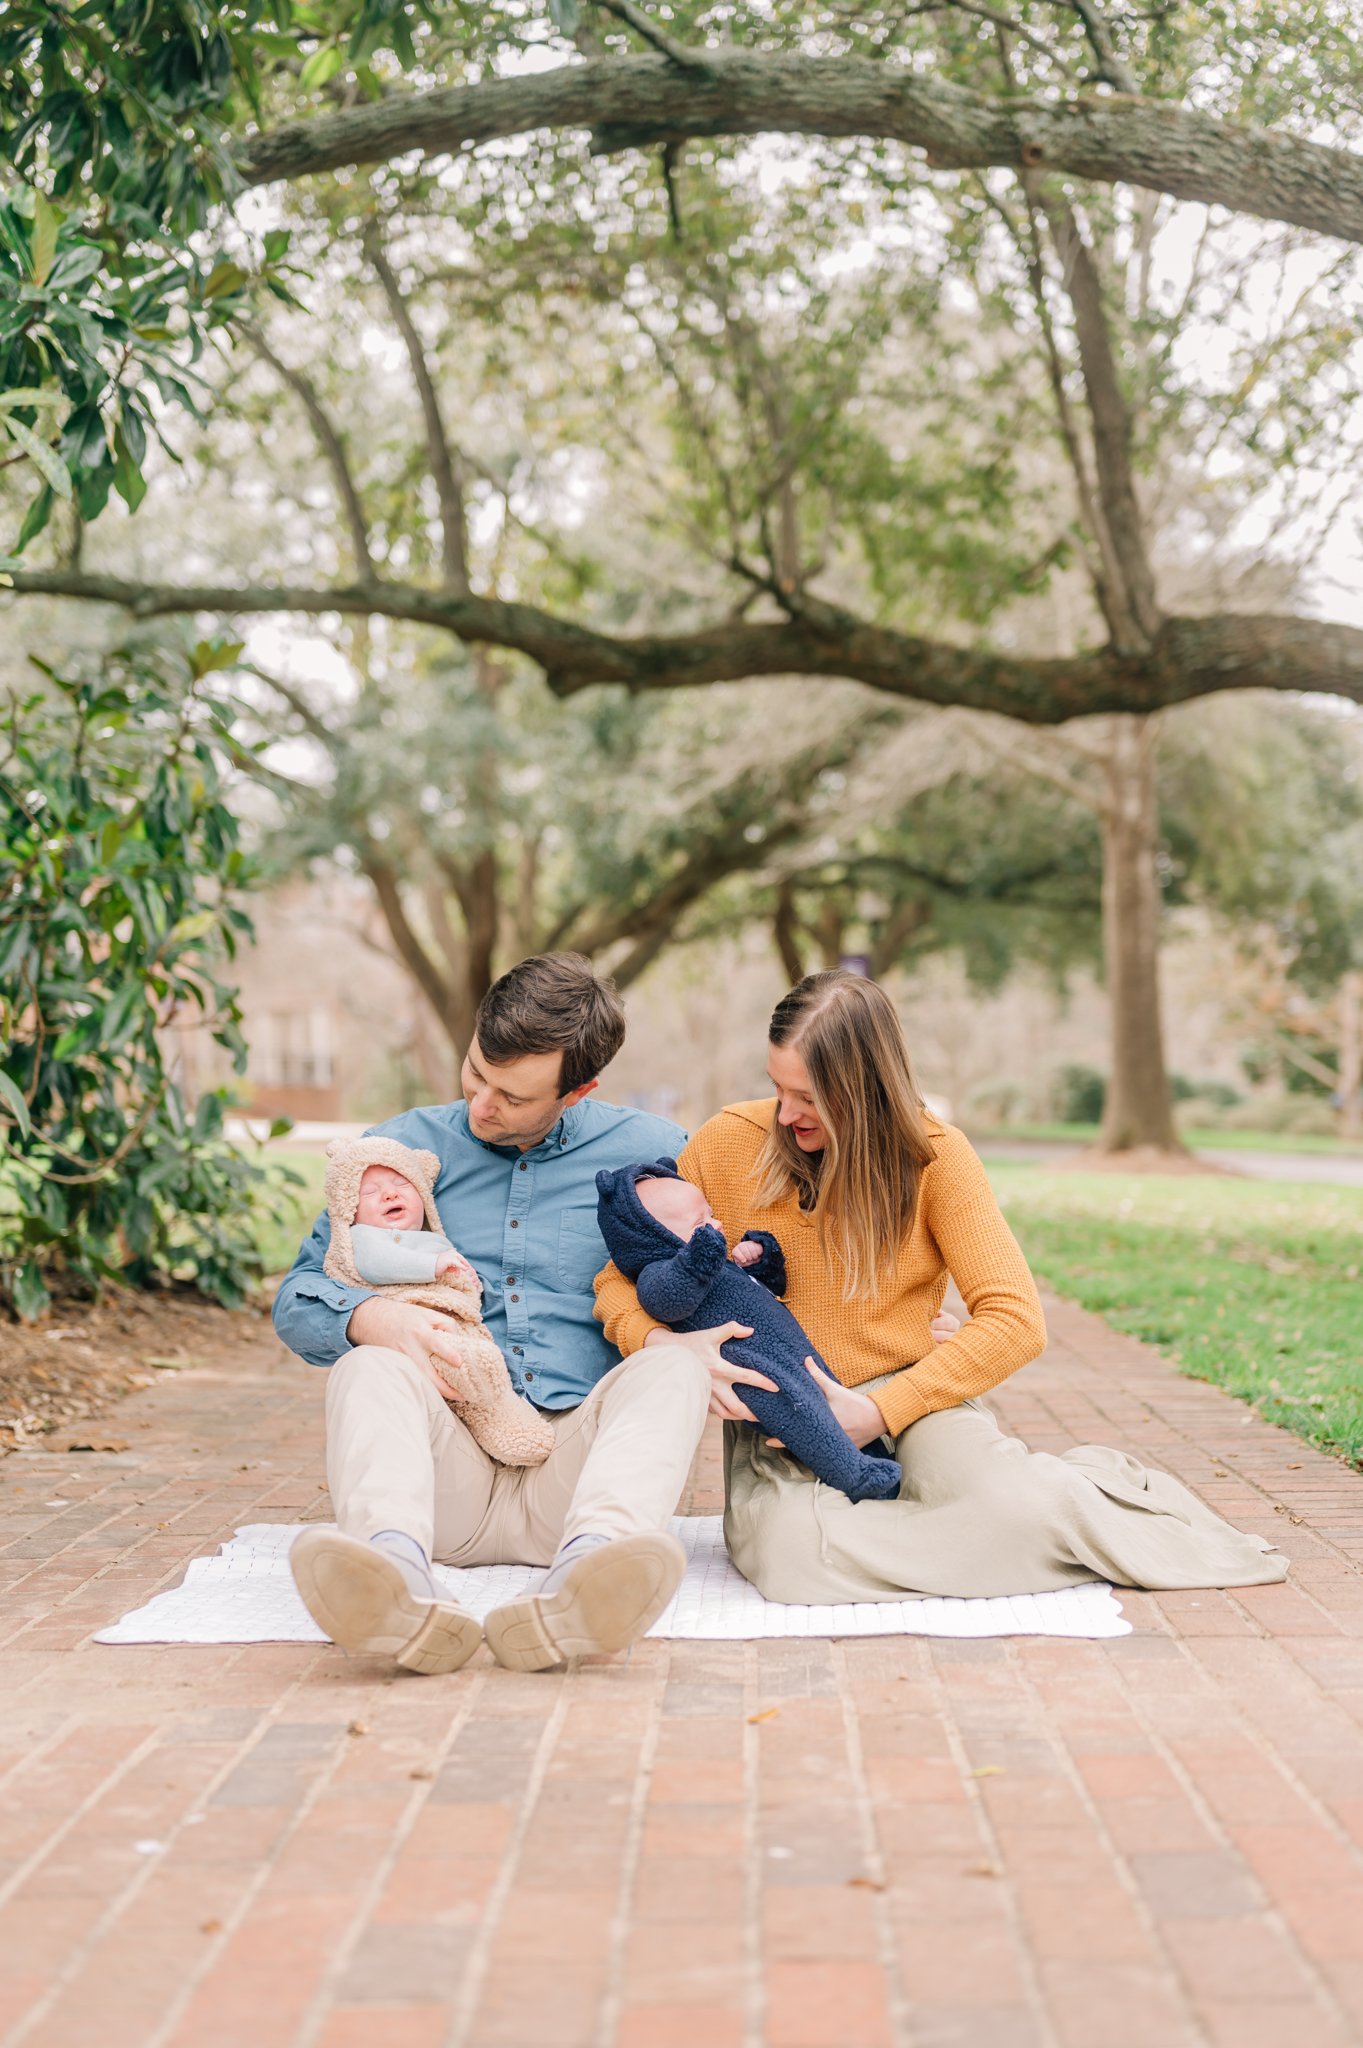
{"x": 957, "y": 1229}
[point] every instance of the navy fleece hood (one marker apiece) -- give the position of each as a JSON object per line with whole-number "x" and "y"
{"x": 635, "y": 1238}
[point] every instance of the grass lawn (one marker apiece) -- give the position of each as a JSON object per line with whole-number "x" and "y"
{"x": 1254, "y": 1285}
{"x": 1200, "y": 1140}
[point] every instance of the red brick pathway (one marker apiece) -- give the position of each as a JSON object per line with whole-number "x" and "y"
{"x": 895, "y": 1843}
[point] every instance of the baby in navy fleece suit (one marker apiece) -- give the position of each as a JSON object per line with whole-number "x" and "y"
{"x": 661, "y": 1233}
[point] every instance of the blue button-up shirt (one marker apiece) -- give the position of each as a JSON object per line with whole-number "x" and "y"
{"x": 526, "y": 1222}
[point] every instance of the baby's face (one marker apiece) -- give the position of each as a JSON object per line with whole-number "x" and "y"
{"x": 677, "y": 1204}
{"x": 388, "y": 1199}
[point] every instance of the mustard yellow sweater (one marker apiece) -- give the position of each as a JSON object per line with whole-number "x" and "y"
{"x": 957, "y": 1229}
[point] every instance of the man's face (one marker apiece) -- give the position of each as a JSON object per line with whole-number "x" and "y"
{"x": 388, "y": 1200}
{"x": 518, "y": 1103}
{"x": 677, "y": 1204}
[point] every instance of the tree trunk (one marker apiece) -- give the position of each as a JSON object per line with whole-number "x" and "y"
{"x": 1139, "y": 1109}
{"x": 1351, "y": 1055}
{"x": 786, "y": 933}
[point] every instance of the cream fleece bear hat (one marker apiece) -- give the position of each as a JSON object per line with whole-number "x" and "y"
{"x": 347, "y": 1159}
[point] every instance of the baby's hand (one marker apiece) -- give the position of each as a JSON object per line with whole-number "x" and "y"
{"x": 943, "y": 1325}
{"x": 451, "y": 1262}
{"x": 746, "y": 1253}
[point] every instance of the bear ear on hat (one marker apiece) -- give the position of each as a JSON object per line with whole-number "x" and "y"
{"x": 605, "y": 1181}
{"x": 335, "y": 1145}
{"x": 430, "y": 1165}
{"x": 666, "y": 1165}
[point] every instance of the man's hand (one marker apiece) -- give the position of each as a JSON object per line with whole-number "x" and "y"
{"x": 724, "y": 1377}
{"x": 745, "y": 1252}
{"x": 421, "y": 1334}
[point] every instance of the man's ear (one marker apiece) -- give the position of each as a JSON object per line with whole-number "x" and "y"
{"x": 576, "y": 1094}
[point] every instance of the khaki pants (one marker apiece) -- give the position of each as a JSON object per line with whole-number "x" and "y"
{"x": 977, "y": 1514}
{"x": 398, "y": 1458}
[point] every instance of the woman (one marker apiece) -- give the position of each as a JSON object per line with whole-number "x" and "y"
{"x": 875, "y": 1202}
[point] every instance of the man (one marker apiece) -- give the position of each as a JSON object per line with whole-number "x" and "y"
{"x": 516, "y": 1194}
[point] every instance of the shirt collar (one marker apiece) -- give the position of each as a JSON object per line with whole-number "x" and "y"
{"x": 557, "y": 1139}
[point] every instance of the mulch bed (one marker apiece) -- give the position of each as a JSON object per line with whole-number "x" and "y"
{"x": 83, "y": 1356}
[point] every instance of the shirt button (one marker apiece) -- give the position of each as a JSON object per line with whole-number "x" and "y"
{"x": 530, "y": 1375}
{"x": 522, "y": 1166}
{"x": 514, "y": 1224}
{"x": 517, "y": 1349}
{"x": 510, "y": 1279}
{"x": 515, "y": 1297}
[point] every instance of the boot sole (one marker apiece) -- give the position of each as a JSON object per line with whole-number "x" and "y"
{"x": 359, "y": 1598}
{"x": 606, "y": 1602}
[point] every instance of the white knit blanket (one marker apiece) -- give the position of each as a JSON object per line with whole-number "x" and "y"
{"x": 246, "y": 1595}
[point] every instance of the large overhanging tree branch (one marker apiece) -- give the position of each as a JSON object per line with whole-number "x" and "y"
{"x": 636, "y": 102}
{"x": 1187, "y": 657}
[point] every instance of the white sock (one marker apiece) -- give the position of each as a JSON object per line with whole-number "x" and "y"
{"x": 410, "y": 1559}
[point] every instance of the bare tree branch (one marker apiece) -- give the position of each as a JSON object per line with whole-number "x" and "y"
{"x": 1188, "y": 657}
{"x": 1111, "y": 67}
{"x": 448, "y": 484}
{"x": 635, "y": 102}
{"x": 649, "y": 31}
{"x": 1136, "y": 612}
{"x": 331, "y": 444}
{"x": 413, "y": 954}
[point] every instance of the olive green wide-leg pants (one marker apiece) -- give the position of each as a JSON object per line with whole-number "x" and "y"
{"x": 978, "y": 1514}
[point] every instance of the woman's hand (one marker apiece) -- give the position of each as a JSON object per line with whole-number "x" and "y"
{"x": 857, "y": 1413}
{"x": 943, "y": 1325}
{"x": 724, "y": 1377}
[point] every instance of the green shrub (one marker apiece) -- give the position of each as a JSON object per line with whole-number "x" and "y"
{"x": 120, "y": 878}
{"x": 1078, "y": 1094}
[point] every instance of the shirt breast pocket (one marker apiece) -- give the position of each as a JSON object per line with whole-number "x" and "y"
{"x": 581, "y": 1248}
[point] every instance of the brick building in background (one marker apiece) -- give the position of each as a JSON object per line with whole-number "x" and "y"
{"x": 336, "y": 1031}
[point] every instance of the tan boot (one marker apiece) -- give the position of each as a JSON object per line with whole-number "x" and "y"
{"x": 604, "y": 1598}
{"x": 361, "y": 1599}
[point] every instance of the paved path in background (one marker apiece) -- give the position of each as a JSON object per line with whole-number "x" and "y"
{"x": 895, "y": 1843}
{"x": 1332, "y": 1169}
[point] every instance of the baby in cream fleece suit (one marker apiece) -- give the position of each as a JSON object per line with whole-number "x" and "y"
{"x": 386, "y": 1234}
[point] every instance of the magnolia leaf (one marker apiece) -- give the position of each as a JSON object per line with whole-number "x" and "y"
{"x": 321, "y": 65}
{"x": 44, "y": 459}
{"x": 36, "y": 518}
{"x": 129, "y": 481}
{"x": 29, "y": 1293}
{"x": 9, "y": 400}
{"x": 14, "y": 1102}
{"x": 196, "y": 926}
{"x": 47, "y": 222}
{"x": 225, "y": 276}
{"x": 213, "y": 654}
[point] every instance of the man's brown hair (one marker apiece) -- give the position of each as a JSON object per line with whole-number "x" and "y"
{"x": 553, "y": 1002}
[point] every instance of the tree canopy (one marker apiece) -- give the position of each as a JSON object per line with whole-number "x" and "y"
{"x": 1001, "y": 159}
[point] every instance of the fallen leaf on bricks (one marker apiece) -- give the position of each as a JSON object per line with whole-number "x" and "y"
{"x": 983, "y": 1870}
{"x": 988, "y": 1771}
{"x": 866, "y": 1884}
{"x": 421, "y": 1774}
{"x": 767, "y": 1714}
{"x": 210, "y": 1927}
{"x": 357, "y": 1728}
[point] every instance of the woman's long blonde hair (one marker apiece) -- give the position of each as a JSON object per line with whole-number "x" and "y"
{"x": 862, "y": 1188}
